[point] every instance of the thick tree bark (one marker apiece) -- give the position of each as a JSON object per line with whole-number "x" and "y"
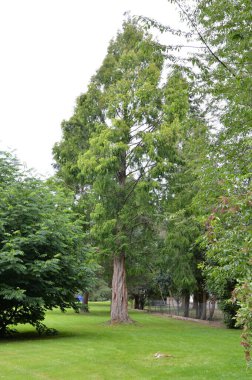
{"x": 119, "y": 304}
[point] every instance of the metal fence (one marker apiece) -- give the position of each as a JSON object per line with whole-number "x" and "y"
{"x": 177, "y": 308}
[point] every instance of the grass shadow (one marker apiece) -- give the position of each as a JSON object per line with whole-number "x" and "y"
{"x": 21, "y": 336}
{"x": 34, "y": 336}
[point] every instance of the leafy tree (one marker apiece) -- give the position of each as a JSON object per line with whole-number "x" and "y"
{"x": 42, "y": 255}
{"x": 226, "y": 183}
{"x": 224, "y": 82}
{"x": 119, "y": 161}
{"x": 223, "y": 75}
{"x": 181, "y": 253}
{"x": 131, "y": 144}
{"x": 76, "y": 133}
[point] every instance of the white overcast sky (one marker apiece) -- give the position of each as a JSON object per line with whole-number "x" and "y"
{"x": 49, "y": 49}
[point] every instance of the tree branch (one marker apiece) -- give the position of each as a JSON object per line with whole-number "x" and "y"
{"x": 202, "y": 38}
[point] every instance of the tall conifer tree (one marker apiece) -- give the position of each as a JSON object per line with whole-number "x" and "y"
{"x": 131, "y": 143}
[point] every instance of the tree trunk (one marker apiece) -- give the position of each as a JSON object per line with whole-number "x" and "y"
{"x": 196, "y": 305}
{"x": 139, "y": 301}
{"x": 186, "y": 304}
{"x": 85, "y": 302}
{"x": 200, "y": 295}
{"x": 136, "y": 301}
{"x": 212, "y": 308}
{"x": 119, "y": 304}
{"x": 204, "y": 306}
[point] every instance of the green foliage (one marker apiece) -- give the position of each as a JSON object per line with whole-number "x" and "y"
{"x": 42, "y": 256}
{"x": 100, "y": 291}
{"x": 226, "y": 183}
{"x": 222, "y": 83}
{"x": 130, "y": 143}
{"x": 242, "y": 293}
{"x": 76, "y": 132}
{"x": 181, "y": 254}
{"x": 225, "y": 84}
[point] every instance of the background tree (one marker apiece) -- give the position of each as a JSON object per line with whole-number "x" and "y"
{"x": 224, "y": 82}
{"x": 226, "y": 183}
{"x": 142, "y": 264}
{"x": 223, "y": 77}
{"x": 181, "y": 253}
{"x": 42, "y": 255}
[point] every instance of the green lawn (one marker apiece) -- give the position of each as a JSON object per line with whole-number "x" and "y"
{"x": 88, "y": 348}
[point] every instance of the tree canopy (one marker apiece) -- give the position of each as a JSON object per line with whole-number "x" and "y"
{"x": 131, "y": 146}
{"x": 222, "y": 76}
{"x": 42, "y": 251}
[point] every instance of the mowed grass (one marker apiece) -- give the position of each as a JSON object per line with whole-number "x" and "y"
{"x": 88, "y": 348}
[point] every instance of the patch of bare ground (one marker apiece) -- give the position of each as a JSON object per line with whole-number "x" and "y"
{"x": 219, "y": 324}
